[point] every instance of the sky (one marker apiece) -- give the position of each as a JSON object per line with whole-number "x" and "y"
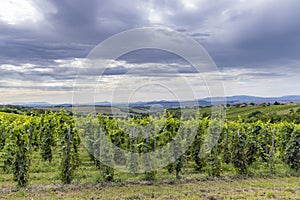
{"x": 44, "y": 44}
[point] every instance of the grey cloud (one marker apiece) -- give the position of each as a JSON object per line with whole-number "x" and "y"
{"x": 152, "y": 56}
{"x": 27, "y": 51}
{"x": 258, "y": 35}
{"x": 233, "y": 76}
{"x": 71, "y": 30}
{"x": 119, "y": 70}
{"x": 38, "y": 73}
{"x": 240, "y": 33}
{"x": 197, "y": 35}
{"x": 234, "y": 33}
{"x": 42, "y": 88}
{"x": 263, "y": 74}
{"x": 93, "y": 21}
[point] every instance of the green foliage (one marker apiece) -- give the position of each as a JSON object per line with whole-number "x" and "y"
{"x": 215, "y": 164}
{"x": 16, "y": 151}
{"x": 292, "y": 151}
{"x": 108, "y": 172}
{"x": 114, "y": 142}
{"x": 286, "y": 130}
{"x": 214, "y": 140}
{"x": 226, "y": 155}
{"x": 251, "y": 147}
{"x": 238, "y": 157}
{"x": 34, "y": 132}
{"x": 176, "y": 146}
{"x": 2, "y": 138}
{"x": 104, "y": 149}
{"x": 47, "y": 135}
{"x": 197, "y": 144}
{"x": 69, "y": 142}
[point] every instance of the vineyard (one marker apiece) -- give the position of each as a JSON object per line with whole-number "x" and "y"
{"x": 52, "y": 139}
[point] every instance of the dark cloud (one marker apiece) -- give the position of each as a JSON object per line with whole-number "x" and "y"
{"x": 258, "y": 35}
{"x": 41, "y": 88}
{"x": 262, "y": 36}
{"x": 93, "y": 21}
{"x": 234, "y": 33}
{"x": 119, "y": 70}
{"x": 70, "y": 31}
{"x": 250, "y": 76}
{"x": 152, "y": 56}
{"x": 19, "y": 52}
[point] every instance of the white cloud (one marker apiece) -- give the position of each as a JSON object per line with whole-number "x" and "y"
{"x": 16, "y": 12}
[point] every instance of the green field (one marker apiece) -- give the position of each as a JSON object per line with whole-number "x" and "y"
{"x": 88, "y": 184}
{"x": 232, "y": 112}
{"x": 88, "y": 181}
{"x": 225, "y": 188}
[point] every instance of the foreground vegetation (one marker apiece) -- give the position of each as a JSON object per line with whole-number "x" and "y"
{"x": 42, "y": 150}
{"x": 220, "y": 188}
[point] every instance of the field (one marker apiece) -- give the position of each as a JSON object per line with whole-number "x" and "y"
{"x": 269, "y": 152}
{"x": 88, "y": 184}
{"x": 225, "y": 188}
{"x": 232, "y": 112}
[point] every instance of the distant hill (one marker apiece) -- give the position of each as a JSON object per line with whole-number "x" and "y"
{"x": 248, "y": 99}
{"x": 208, "y": 101}
{"x": 33, "y": 104}
{"x": 201, "y": 102}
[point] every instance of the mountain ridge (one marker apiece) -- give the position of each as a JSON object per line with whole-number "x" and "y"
{"x": 236, "y": 99}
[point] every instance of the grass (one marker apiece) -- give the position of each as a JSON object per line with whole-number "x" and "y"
{"x": 88, "y": 184}
{"x": 221, "y": 188}
{"x": 233, "y": 112}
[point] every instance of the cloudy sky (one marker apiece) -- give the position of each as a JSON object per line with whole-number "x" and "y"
{"x": 255, "y": 45}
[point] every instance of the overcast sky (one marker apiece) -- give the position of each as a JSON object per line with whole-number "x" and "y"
{"x": 255, "y": 45}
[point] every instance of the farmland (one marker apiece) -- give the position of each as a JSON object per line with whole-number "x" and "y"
{"x": 46, "y": 154}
